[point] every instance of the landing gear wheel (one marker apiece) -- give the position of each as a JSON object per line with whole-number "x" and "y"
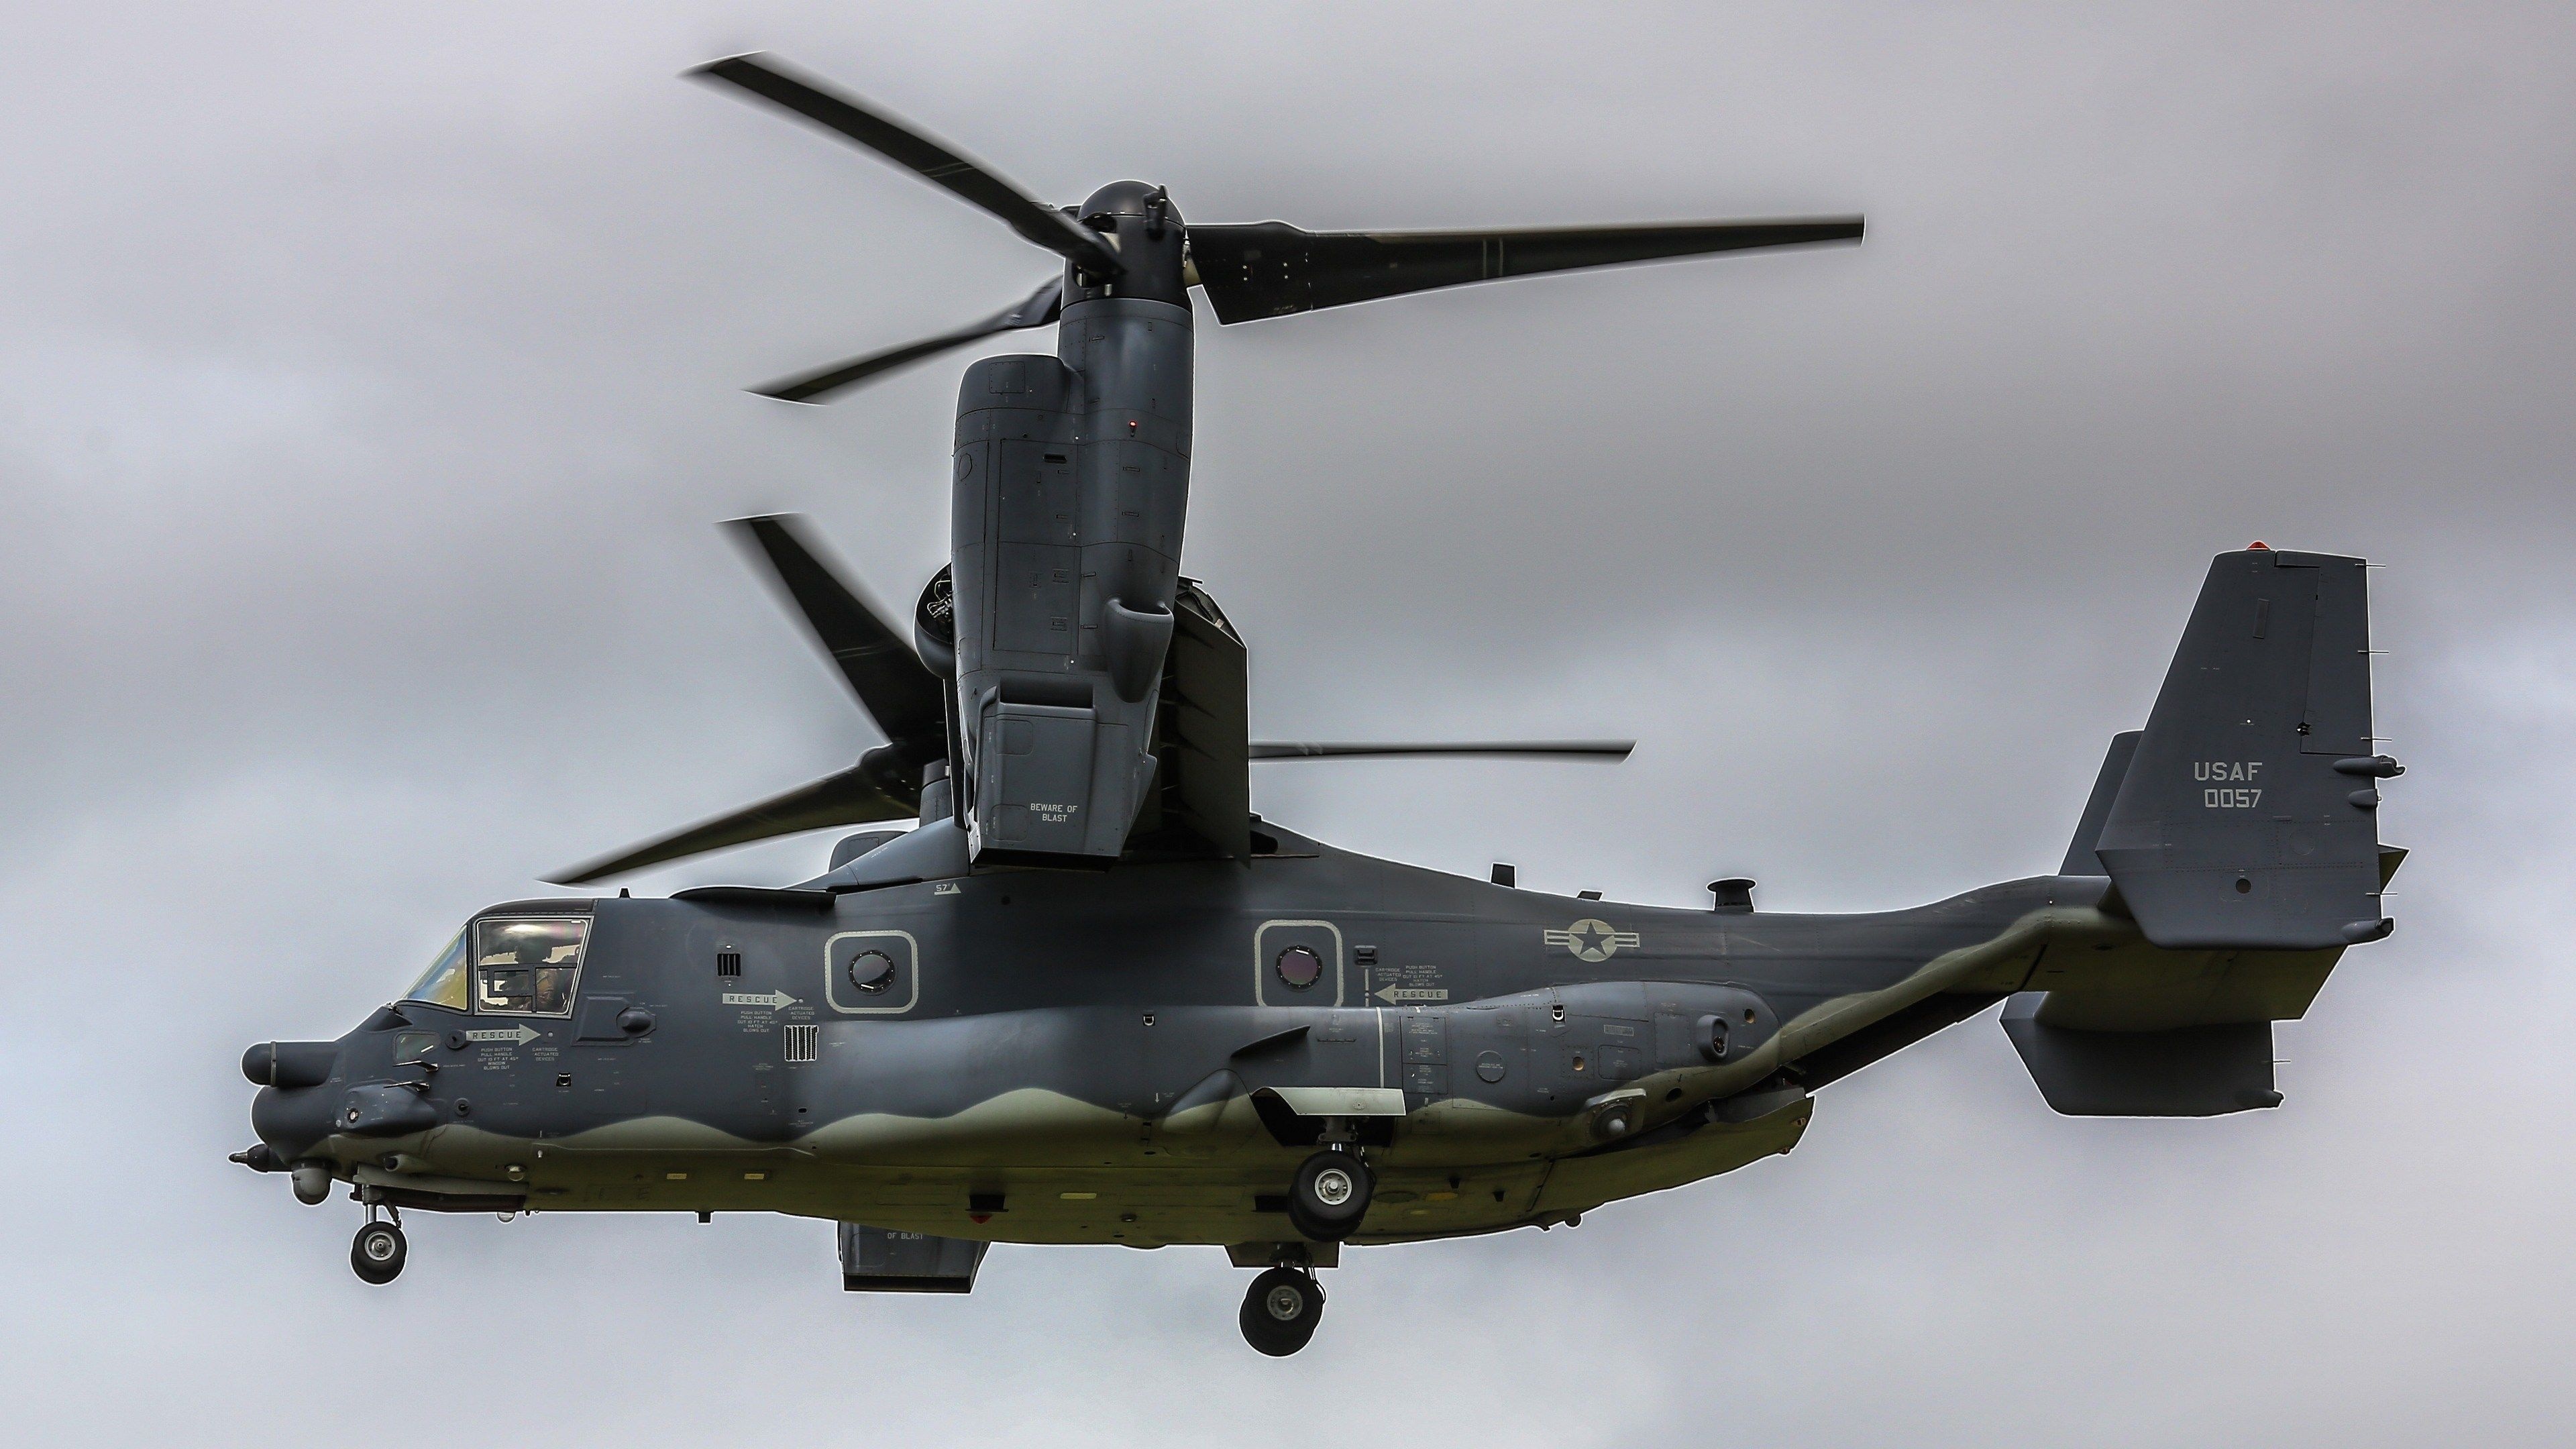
{"x": 1281, "y": 1311}
{"x": 1329, "y": 1196}
{"x": 377, "y": 1254}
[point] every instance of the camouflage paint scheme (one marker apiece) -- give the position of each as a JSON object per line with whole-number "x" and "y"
{"x": 1101, "y": 1003}
{"x": 1090, "y": 1047}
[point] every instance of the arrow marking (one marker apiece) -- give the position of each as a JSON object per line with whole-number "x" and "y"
{"x": 771, "y": 999}
{"x": 515, "y": 1036}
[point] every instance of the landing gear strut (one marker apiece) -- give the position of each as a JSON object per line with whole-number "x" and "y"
{"x": 1329, "y": 1195}
{"x": 377, "y": 1253}
{"x": 1281, "y": 1311}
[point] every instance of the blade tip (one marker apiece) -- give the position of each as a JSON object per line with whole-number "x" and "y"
{"x": 716, "y": 67}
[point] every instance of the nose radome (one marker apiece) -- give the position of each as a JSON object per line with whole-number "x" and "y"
{"x": 292, "y": 1121}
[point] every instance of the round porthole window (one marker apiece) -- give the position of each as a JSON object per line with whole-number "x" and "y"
{"x": 872, "y": 971}
{"x": 1300, "y": 967}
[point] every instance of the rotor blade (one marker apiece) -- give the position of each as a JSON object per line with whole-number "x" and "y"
{"x": 956, "y": 174}
{"x": 896, "y": 689}
{"x": 1270, "y": 269}
{"x": 1040, "y": 308}
{"x": 845, "y": 798}
{"x": 1608, "y": 750}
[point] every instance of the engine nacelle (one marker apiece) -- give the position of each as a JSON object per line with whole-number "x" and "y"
{"x": 1072, "y": 478}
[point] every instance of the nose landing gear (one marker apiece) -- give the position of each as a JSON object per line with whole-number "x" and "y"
{"x": 377, "y": 1254}
{"x": 1280, "y": 1313}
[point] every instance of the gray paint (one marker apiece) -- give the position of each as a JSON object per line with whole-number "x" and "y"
{"x": 2192, "y": 1071}
{"x": 940, "y": 1052}
{"x": 2243, "y": 277}
{"x": 2080, "y": 856}
{"x": 1016, "y": 1029}
{"x": 2248, "y": 816}
{"x": 1055, "y": 620}
{"x": 881, "y": 1260}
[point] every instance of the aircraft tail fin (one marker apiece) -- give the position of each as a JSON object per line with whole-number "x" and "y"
{"x": 2246, "y": 817}
{"x": 2240, "y": 831}
{"x": 2080, "y": 856}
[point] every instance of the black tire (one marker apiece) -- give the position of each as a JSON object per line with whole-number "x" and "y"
{"x": 1329, "y": 1196}
{"x": 1281, "y": 1311}
{"x": 377, "y": 1254}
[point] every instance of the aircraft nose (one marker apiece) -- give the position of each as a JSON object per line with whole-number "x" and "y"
{"x": 290, "y": 1122}
{"x": 292, "y": 1111}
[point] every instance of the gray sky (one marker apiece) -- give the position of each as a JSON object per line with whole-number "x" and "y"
{"x": 369, "y": 386}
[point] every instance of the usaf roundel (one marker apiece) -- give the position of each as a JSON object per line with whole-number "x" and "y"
{"x": 1592, "y": 940}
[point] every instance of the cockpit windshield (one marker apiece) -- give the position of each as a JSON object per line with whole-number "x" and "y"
{"x": 443, "y": 984}
{"x": 527, "y": 965}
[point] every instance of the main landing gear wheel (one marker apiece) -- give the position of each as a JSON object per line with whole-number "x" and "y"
{"x": 1281, "y": 1311}
{"x": 378, "y": 1252}
{"x": 1329, "y": 1196}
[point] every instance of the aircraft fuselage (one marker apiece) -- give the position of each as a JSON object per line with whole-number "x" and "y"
{"x": 1141, "y": 1055}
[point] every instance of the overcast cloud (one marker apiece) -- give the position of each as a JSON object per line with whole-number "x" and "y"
{"x": 369, "y": 387}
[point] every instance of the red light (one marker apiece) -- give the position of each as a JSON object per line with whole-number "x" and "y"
{"x": 2258, "y": 543}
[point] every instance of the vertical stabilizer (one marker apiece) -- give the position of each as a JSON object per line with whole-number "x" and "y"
{"x": 2080, "y": 856}
{"x": 2247, "y": 817}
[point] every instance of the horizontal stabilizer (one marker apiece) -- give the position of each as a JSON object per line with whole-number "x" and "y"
{"x": 2247, "y": 818}
{"x": 2192, "y": 1071}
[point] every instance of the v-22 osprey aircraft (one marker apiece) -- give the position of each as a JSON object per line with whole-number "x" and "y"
{"x": 1086, "y": 996}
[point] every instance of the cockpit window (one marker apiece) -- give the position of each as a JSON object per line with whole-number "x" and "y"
{"x": 527, "y": 965}
{"x": 443, "y": 984}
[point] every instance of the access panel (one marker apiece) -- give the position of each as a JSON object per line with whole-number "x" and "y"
{"x": 1060, "y": 635}
{"x": 882, "y": 1260}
